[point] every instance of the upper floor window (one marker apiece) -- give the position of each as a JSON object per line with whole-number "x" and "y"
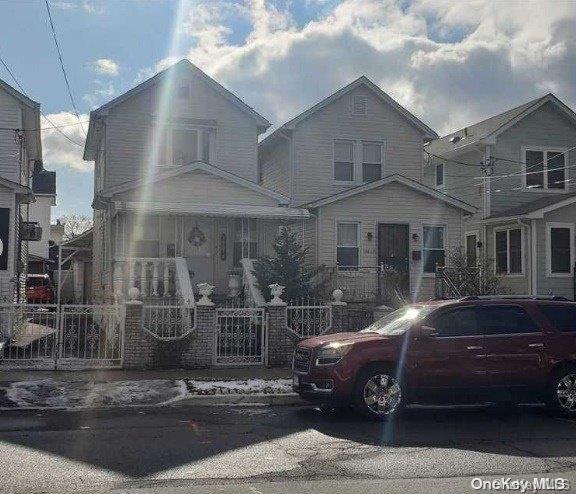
{"x": 439, "y": 175}
{"x": 357, "y": 161}
{"x": 189, "y": 145}
{"x": 545, "y": 169}
{"x": 359, "y": 105}
{"x": 508, "y": 249}
{"x": 344, "y": 161}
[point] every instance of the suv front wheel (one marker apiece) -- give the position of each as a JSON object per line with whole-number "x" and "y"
{"x": 378, "y": 393}
{"x": 562, "y": 392}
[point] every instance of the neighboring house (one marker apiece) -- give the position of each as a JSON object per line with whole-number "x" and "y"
{"x": 355, "y": 161}
{"x": 76, "y": 277}
{"x": 44, "y": 188}
{"x": 524, "y": 187}
{"x": 19, "y": 150}
{"x": 176, "y": 195}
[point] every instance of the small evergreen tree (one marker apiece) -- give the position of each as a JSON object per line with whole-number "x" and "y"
{"x": 286, "y": 267}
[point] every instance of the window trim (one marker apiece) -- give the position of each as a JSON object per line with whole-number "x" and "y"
{"x": 339, "y": 221}
{"x": 357, "y": 159}
{"x": 199, "y": 129}
{"x": 507, "y": 228}
{"x": 427, "y": 274}
{"x": 545, "y": 150}
{"x": 549, "y": 226}
{"x": 443, "y": 184}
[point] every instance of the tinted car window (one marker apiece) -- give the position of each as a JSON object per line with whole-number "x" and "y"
{"x": 506, "y": 320}
{"x": 563, "y": 317}
{"x": 456, "y": 322}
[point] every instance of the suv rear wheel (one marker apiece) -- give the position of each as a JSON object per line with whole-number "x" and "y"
{"x": 378, "y": 393}
{"x": 562, "y": 392}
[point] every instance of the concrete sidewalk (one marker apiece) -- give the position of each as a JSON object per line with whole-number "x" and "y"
{"x": 111, "y": 375}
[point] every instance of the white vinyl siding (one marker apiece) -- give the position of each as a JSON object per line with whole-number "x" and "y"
{"x": 560, "y": 249}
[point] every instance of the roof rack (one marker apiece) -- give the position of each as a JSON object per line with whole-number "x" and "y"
{"x": 516, "y": 297}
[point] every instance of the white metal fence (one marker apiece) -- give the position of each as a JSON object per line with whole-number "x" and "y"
{"x": 169, "y": 322}
{"x": 58, "y": 337}
{"x": 309, "y": 320}
{"x": 240, "y": 336}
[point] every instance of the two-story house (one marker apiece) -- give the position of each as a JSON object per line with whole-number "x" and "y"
{"x": 355, "y": 161}
{"x": 518, "y": 169}
{"x": 19, "y": 150}
{"x": 177, "y": 201}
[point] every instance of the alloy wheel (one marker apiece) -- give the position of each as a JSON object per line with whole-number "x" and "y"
{"x": 382, "y": 394}
{"x": 566, "y": 392}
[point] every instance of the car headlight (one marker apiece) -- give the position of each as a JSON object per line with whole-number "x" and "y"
{"x": 332, "y": 353}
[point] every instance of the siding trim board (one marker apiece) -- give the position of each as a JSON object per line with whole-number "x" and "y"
{"x": 549, "y": 226}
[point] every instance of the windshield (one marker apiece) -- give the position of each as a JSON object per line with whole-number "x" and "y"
{"x": 399, "y": 321}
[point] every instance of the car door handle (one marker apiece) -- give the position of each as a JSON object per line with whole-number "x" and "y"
{"x": 475, "y": 347}
{"x": 536, "y": 345}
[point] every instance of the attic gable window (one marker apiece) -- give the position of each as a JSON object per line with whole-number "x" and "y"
{"x": 439, "y": 178}
{"x": 545, "y": 169}
{"x": 359, "y": 105}
{"x": 189, "y": 144}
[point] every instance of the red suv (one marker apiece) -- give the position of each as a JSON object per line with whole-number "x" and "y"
{"x": 39, "y": 289}
{"x": 476, "y": 348}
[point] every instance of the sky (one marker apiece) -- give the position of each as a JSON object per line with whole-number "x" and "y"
{"x": 449, "y": 62}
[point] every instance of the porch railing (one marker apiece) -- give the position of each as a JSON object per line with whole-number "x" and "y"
{"x": 252, "y": 294}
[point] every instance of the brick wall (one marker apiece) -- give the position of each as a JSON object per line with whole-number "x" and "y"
{"x": 281, "y": 341}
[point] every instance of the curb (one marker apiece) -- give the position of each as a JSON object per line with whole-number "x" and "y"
{"x": 240, "y": 399}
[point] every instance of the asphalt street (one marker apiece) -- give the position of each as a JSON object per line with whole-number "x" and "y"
{"x": 265, "y": 450}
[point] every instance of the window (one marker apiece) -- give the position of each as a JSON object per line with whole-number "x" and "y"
{"x": 371, "y": 161}
{"x": 245, "y": 240}
{"x": 189, "y": 145}
{"x": 508, "y": 249}
{"x": 347, "y": 244}
{"x": 440, "y": 175}
{"x": 506, "y": 320}
{"x": 434, "y": 248}
{"x": 359, "y": 105}
{"x": 545, "y": 169}
{"x": 560, "y": 248}
{"x": 562, "y": 317}
{"x": 457, "y": 322}
{"x": 344, "y": 161}
{"x": 471, "y": 250}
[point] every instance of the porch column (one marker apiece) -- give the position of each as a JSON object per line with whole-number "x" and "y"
{"x": 201, "y": 344}
{"x": 139, "y": 348}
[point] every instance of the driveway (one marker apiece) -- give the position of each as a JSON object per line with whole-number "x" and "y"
{"x": 277, "y": 449}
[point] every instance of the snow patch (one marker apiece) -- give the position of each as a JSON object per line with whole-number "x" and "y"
{"x": 247, "y": 386}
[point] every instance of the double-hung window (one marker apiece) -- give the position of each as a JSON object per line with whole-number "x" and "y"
{"x": 508, "y": 243}
{"x": 371, "y": 161}
{"x": 347, "y": 244}
{"x": 434, "y": 247}
{"x": 560, "y": 249}
{"x": 439, "y": 175}
{"x": 189, "y": 145}
{"x": 545, "y": 169}
{"x": 344, "y": 161}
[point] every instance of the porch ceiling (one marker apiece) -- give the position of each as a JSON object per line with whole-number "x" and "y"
{"x": 234, "y": 210}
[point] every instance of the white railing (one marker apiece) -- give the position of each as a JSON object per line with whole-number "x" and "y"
{"x": 252, "y": 294}
{"x": 157, "y": 278}
{"x": 307, "y": 321}
{"x": 169, "y": 322}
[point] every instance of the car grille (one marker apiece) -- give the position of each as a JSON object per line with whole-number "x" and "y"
{"x": 301, "y": 360}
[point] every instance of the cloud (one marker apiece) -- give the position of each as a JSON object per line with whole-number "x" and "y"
{"x": 106, "y": 66}
{"x": 449, "y": 62}
{"x": 103, "y": 93}
{"x": 58, "y": 151}
{"x": 88, "y": 7}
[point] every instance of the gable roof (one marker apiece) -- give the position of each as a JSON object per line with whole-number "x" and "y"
{"x": 176, "y": 171}
{"x": 18, "y": 95}
{"x": 184, "y": 64}
{"x": 535, "y": 208}
{"x": 361, "y": 81}
{"x": 493, "y": 126}
{"x": 395, "y": 178}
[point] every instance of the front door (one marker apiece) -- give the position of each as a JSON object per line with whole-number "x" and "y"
{"x": 199, "y": 245}
{"x": 393, "y": 248}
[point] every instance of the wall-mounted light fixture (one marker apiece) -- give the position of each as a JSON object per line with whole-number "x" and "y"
{"x": 479, "y": 244}
{"x": 415, "y": 237}
{"x": 369, "y": 236}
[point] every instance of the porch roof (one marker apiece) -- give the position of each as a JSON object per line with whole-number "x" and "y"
{"x": 230, "y": 210}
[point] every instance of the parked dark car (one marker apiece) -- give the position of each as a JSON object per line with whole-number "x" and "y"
{"x": 493, "y": 349}
{"x": 39, "y": 289}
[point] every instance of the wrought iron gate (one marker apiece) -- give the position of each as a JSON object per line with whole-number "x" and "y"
{"x": 240, "y": 336}
{"x": 61, "y": 337}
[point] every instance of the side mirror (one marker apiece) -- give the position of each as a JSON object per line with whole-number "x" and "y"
{"x": 428, "y": 331}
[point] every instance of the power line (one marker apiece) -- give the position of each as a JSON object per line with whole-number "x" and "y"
{"x": 41, "y": 113}
{"x": 52, "y": 127}
{"x": 62, "y": 65}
